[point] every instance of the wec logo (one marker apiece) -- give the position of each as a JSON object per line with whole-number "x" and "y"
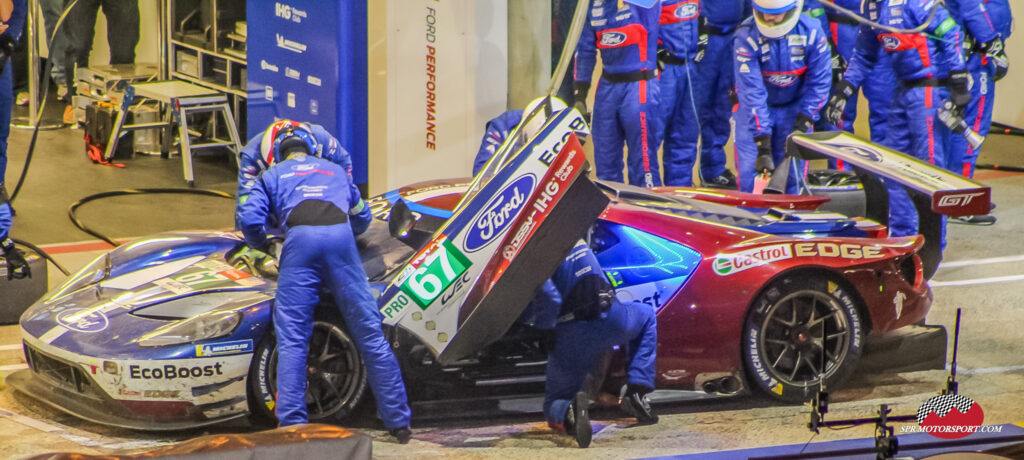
{"x": 612, "y": 39}
{"x": 499, "y": 213}
{"x": 958, "y": 200}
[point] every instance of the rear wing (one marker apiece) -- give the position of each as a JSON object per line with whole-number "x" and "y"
{"x": 935, "y": 191}
{"x": 950, "y": 194}
{"x": 479, "y": 270}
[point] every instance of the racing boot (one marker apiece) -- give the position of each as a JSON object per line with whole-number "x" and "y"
{"x": 577, "y": 420}
{"x": 725, "y": 180}
{"x": 635, "y": 403}
{"x": 402, "y": 434}
{"x": 983, "y": 219}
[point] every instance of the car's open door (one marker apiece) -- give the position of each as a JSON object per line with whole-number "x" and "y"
{"x": 518, "y": 220}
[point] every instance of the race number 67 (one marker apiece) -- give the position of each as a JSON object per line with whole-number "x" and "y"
{"x": 438, "y": 271}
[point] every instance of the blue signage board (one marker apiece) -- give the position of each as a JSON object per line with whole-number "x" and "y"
{"x": 307, "y": 62}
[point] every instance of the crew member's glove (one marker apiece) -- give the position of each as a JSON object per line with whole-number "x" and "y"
{"x": 17, "y": 266}
{"x": 841, "y": 92}
{"x": 764, "y": 164}
{"x": 996, "y": 52}
{"x": 703, "y": 35}
{"x": 662, "y": 54}
{"x": 803, "y": 124}
{"x": 960, "y": 89}
{"x": 838, "y": 67}
{"x": 6, "y": 50}
{"x": 579, "y": 98}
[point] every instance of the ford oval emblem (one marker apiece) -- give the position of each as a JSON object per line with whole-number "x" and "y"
{"x": 499, "y": 213}
{"x": 613, "y": 38}
{"x": 686, "y": 10}
{"x": 82, "y": 320}
{"x": 782, "y": 80}
{"x": 891, "y": 43}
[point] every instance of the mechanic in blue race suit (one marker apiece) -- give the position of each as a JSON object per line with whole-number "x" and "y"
{"x": 258, "y": 154}
{"x": 10, "y": 31}
{"x": 783, "y": 75}
{"x": 925, "y": 64}
{"x": 626, "y": 103}
{"x": 714, "y": 83}
{"x": 498, "y": 129}
{"x": 842, "y": 31}
{"x": 579, "y": 304}
{"x": 17, "y": 267}
{"x": 309, "y": 196}
{"x": 987, "y": 24}
{"x": 678, "y": 38}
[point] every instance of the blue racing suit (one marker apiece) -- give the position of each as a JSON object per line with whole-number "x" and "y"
{"x": 6, "y": 220}
{"x": 15, "y": 26}
{"x": 579, "y": 343}
{"x": 626, "y": 104}
{"x": 495, "y": 133}
{"x": 678, "y": 36}
{"x": 922, "y": 63}
{"x": 777, "y": 80}
{"x": 714, "y": 80}
{"x": 251, "y": 166}
{"x": 308, "y": 195}
{"x": 878, "y": 89}
{"x": 983, "y": 21}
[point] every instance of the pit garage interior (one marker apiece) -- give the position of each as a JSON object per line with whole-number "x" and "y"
{"x": 495, "y": 65}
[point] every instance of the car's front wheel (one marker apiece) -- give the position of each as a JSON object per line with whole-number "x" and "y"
{"x": 336, "y": 374}
{"x": 800, "y": 329}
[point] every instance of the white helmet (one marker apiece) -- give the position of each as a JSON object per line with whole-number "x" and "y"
{"x": 775, "y": 18}
{"x": 531, "y": 129}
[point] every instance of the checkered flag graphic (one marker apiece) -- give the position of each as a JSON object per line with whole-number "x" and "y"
{"x": 942, "y": 404}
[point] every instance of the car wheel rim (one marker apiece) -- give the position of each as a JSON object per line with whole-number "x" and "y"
{"x": 333, "y": 371}
{"x": 798, "y": 330}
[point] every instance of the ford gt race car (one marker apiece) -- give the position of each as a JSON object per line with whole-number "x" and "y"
{"x": 174, "y": 331}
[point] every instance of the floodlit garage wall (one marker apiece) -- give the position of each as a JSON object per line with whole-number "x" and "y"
{"x": 445, "y": 76}
{"x": 1009, "y": 103}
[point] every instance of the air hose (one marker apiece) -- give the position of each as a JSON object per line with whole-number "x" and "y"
{"x": 73, "y": 209}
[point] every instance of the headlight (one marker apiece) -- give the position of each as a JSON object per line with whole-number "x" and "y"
{"x": 87, "y": 275}
{"x": 206, "y": 326}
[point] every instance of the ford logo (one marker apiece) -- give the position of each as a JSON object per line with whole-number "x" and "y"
{"x": 863, "y": 152}
{"x": 686, "y": 10}
{"x": 613, "y": 38}
{"x": 82, "y": 320}
{"x": 782, "y": 80}
{"x": 499, "y": 213}
{"x": 890, "y": 43}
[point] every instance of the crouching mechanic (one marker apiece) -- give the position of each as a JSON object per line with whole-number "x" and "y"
{"x": 783, "y": 75}
{"x": 258, "y": 154}
{"x": 590, "y": 321}
{"x": 308, "y": 196}
{"x": 17, "y": 266}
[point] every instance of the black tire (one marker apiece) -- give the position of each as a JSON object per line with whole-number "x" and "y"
{"x": 782, "y": 336}
{"x": 337, "y": 375}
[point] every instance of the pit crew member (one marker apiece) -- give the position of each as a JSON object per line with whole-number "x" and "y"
{"x": 987, "y": 24}
{"x": 309, "y": 196}
{"x": 626, "y": 103}
{"x": 842, "y": 31}
{"x": 12, "y": 22}
{"x": 17, "y": 267}
{"x": 783, "y": 75}
{"x": 930, "y": 71}
{"x": 678, "y": 37}
{"x": 258, "y": 154}
{"x": 579, "y": 303}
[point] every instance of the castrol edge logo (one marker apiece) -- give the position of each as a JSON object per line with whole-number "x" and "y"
{"x": 728, "y": 264}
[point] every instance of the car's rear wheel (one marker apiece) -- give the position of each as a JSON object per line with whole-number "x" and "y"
{"x": 800, "y": 329}
{"x": 336, "y": 374}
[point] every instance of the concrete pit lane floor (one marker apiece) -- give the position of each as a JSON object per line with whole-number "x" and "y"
{"x": 983, "y": 274}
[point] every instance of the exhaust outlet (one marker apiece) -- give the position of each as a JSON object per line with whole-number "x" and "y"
{"x": 710, "y": 387}
{"x": 730, "y": 385}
